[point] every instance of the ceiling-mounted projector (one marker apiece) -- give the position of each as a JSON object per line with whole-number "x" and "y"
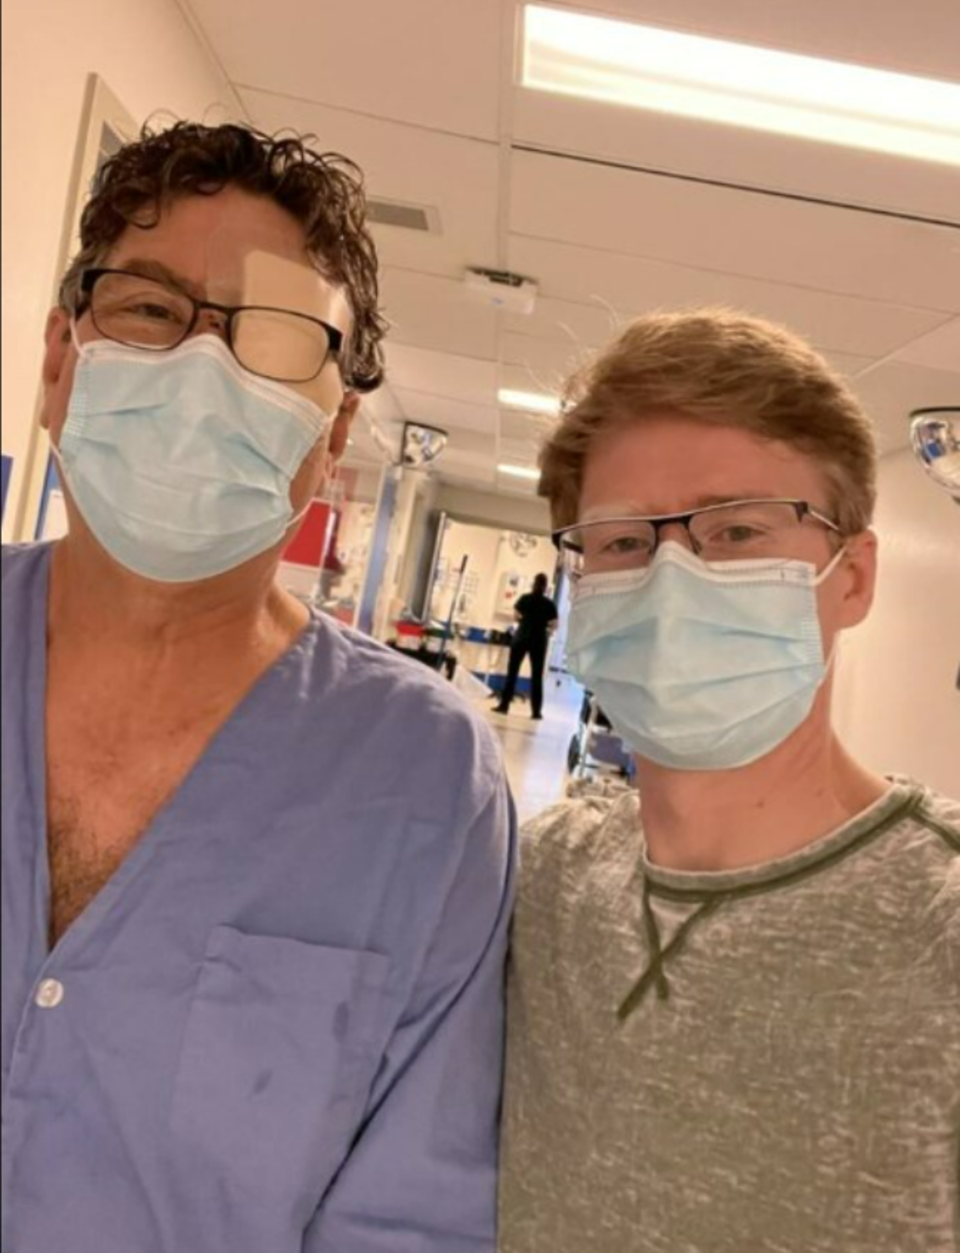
{"x": 502, "y": 288}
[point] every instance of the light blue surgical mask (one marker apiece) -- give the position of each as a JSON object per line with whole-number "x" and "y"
{"x": 701, "y": 666}
{"x": 181, "y": 462}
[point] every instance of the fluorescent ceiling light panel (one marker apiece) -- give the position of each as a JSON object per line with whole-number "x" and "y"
{"x": 620, "y": 62}
{"x": 532, "y": 402}
{"x": 520, "y": 472}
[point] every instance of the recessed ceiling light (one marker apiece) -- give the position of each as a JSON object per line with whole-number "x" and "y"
{"x": 520, "y": 472}
{"x": 533, "y": 402}
{"x": 619, "y": 62}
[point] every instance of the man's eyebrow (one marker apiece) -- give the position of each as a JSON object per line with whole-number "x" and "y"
{"x": 725, "y": 498}
{"x": 631, "y": 509}
{"x": 150, "y": 268}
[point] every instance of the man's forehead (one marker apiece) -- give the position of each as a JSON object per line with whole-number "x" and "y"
{"x": 236, "y": 248}
{"x": 252, "y": 263}
{"x": 675, "y": 466}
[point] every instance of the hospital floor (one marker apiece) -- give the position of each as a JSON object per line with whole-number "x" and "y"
{"x": 535, "y": 753}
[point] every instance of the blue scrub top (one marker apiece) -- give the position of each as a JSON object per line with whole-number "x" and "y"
{"x": 279, "y": 1027}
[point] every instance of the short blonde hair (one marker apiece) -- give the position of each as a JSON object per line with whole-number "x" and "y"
{"x": 723, "y": 368}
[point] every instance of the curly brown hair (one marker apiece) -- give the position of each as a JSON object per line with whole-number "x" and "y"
{"x": 323, "y": 191}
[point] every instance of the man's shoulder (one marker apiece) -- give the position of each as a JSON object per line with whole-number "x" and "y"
{"x": 925, "y": 828}
{"x": 934, "y": 825}
{"x": 18, "y": 561}
{"x": 940, "y": 815}
{"x": 23, "y": 576}
{"x": 927, "y": 861}
{"x": 408, "y": 697}
{"x": 592, "y": 826}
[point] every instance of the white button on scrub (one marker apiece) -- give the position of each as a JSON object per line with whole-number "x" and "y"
{"x": 50, "y": 994}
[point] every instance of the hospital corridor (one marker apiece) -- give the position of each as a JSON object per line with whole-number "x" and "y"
{"x": 480, "y": 668}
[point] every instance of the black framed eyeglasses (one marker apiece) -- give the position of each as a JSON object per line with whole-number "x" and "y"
{"x": 147, "y": 313}
{"x": 732, "y": 531}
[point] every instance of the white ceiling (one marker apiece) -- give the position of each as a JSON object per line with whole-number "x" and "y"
{"x": 614, "y": 212}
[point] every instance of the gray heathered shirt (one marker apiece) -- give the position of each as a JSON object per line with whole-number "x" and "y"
{"x": 788, "y": 1080}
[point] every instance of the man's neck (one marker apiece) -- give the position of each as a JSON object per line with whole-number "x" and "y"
{"x": 730, "y": 819}
{"x": 97, "y": 606}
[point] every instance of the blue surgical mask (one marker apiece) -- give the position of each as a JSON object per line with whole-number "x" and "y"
{"x": 701, "y": 666}
{"x": 181, "y": 462}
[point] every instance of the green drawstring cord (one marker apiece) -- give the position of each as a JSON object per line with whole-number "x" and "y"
{"x": 915, "y": 805}
{"x": 655, "y": 973}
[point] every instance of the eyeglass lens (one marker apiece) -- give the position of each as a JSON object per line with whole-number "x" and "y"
{"x": 728, "y": 533}
{"x": 144, "y": 313}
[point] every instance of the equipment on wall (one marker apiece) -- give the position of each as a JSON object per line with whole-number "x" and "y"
{"x": 412, "y": 446}
{"x": 511, "y": 588}
{"x": 420, "y": 444}
{"x": 521, "y": 543}
{"x": 935, "y": 436}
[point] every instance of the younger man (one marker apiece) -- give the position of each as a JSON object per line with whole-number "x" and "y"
{"x": 735, "y": 1011}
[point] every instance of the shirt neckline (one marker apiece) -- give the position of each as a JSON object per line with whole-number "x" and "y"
{"x": 900, "y": 799}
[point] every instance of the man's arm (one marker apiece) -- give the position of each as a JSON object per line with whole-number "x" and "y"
{"x": 421, "y": 1177}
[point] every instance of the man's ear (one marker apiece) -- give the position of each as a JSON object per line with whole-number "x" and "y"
{"x": 342, "y": 424}
{"x": 57, "y": 341}
{"x": 861, "y": 578}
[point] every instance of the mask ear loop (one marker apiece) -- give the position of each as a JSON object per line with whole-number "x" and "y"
{"x": 831, "y": 565}
{"x": 822, "y": 577}
{"x": 299, "y": 517}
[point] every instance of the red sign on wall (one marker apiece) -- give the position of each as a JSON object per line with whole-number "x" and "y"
{"x": 312, "y": 542}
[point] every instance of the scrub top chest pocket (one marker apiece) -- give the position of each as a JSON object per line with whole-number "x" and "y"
{"x": 281, "y": 1046}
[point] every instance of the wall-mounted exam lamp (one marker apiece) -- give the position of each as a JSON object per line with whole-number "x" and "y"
{"x": 421, "y": 444}
{"x": 935, "y": 436}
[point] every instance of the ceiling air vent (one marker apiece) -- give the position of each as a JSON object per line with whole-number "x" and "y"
{"x": 409, "y": 217}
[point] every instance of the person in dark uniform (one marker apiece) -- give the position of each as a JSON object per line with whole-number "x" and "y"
{"x": 537, "y": 616}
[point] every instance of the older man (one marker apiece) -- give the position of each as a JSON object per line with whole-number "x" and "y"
{"x": 256, "y": 870}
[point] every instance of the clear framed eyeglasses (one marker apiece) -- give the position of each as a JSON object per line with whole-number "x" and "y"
{"x": 141, "y": 312}
{"x": 733, "y": 531}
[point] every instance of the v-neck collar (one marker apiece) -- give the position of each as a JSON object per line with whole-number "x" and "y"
{"x": 163, "y": 824}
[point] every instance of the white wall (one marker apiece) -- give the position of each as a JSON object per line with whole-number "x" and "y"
{"x": 541, "y": 559}
{"x": 896, "y": 700}
{"x": 481, "y": 546}
{"x": 151, "y": 59}
{"x": 490, "y": 557}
